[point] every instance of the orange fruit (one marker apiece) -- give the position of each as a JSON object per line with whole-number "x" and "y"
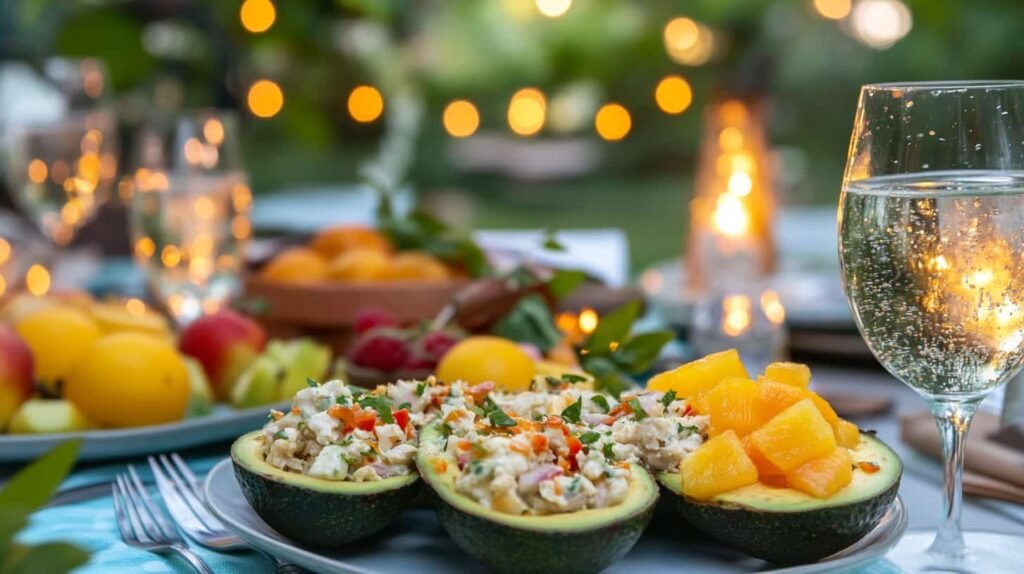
{"x": 334, "y": 241}
{"x": 60, "y": 338}
{"x": 487, "y": 358}
{"x": 417, "y": 266}
{"x": 296, "y": 265}
{"x": 359, "y": 265}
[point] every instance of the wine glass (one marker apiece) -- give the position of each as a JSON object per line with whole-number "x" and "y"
{"x": 189, "y": 211}
{"x": 931, "y": 244}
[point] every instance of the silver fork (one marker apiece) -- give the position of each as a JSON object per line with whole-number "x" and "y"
{"x": 142, "y": 524}
{"x": 184, "y": 498}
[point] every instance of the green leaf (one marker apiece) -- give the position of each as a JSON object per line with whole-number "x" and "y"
{"x": 608, "y": 377}
{"x": 572, "y": 379}
{"x": 607, "y": 451}
{"x": 638, "y": 411}
{"x": 530, "y": 321}
{"x": 638, "y": 353}
{"x": 310, "y": 382}
{"x": 380, "y": 404}
{"x": 572, "y": 412}
{"x": 667, "y": 398}
{"x": 613, "y": 328}
{"x": 498, "y": 418}
{"x": 33, "y": 485}
{"x": 47, "y": 558}
{"x": 602, "y": 402}
{"x": 565, "y": 281}
{"x": 589, "y": 437}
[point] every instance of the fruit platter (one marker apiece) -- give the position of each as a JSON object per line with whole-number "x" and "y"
{"x": 118, "y": 375}
{"x": 731, "y": 467}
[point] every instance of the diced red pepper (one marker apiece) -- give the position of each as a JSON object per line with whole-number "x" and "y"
{"x": 869, "y": 467}
{"x": 366, "y": 420}
{"x": 401, "y": 417}
{"x": 574, "y": 447}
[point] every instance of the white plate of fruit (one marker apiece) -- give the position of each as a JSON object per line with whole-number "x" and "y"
{"x": 118, "y": 376}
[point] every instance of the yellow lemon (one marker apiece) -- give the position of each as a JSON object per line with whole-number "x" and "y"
{"x": 130, "y": 379}
{"x": 60, "y": 337}
{"x": 486, "y": 358}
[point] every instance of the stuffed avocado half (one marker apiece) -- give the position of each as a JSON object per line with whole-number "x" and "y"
{"x": 580, "y": 541}
{"x": 316, "y": 511}
{"x": 785, "y": 525}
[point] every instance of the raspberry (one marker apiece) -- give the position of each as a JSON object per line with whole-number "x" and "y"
{"x": 435, "y": 344}
{"x": 367, "y": 319}
{"x": 382, "y": 348}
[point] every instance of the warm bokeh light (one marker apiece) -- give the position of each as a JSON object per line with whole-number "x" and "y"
{"x": 257, "y": 15}
{"x": 145, "y": 248}
{"x": 673, "y": 94}
{"x": 170, "y": 256}
{"x": 265, "y": 99}
{"x": 613, "y": 122}
{"x": 880, "y": 23}
{"x": 135, "y": 307}
{"x": 461, "y": 119}
{"x": 833, "y": 9}
{"x": 588, "y": 321}
{"x": 3, "y": 285}
{"x": 365, "y": 104}
{"x": 5, "y": 251}
{"x": 527, "y": 111}
{"x": 553, "y": 8}
{"x": 204, "y": 207}
{"x": 241, "y": 197}
{"x": 213, "y": 131}
{"x": 736, "y": 314}
{"x": 37, "y": 171}
{"x": 37, "y": 280}
{"x": 772, "y": 306}
{"x": 731, "y": 139}
{"x": 740, "y": 184}
{"x": 193, "y": 151}
{"x": 731, "y": 216}
{"x": 241, "y": 227}
{"x": 688, "y": 42}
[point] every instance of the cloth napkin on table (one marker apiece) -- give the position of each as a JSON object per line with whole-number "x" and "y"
{"x": 991, "y": 469}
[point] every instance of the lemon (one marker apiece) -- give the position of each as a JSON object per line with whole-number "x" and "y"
{"x": 130, "y": 379}
{"x": 60, "y": 337}
{"x": 485, "y": 358}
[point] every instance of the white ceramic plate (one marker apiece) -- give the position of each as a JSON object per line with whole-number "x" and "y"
{"x": 222, "y": 424}
{"x": 417, "y": 543}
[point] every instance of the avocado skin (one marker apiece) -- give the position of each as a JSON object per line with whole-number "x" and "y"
{"x": 322, "y": 519}
{"x": 506, "y": 549}
{"x": 785, "y": 537}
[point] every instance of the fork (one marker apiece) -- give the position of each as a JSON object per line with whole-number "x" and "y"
{"x": 142, "y": 524}
{"x": 184, "y": 498}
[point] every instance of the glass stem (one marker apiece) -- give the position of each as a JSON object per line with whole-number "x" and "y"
{"x": 953, "y": 419}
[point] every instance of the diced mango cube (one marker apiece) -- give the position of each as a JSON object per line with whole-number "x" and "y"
{"x": 823, "y": 476}
{"x": 734, "y": 404}
{"x": 718, "y": 466}
{"x": 825, "y": 409}
{"x": 765, "y": 468}
{"x": 795, "y": 436}
{"x": 796, "y": 374}
{"x": 847, "y": 434}
{"x": 696, "y": 376}
{"x": 776, "y": 397}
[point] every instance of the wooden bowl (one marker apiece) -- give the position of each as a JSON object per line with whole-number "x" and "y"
{"x": 327, "y": 311}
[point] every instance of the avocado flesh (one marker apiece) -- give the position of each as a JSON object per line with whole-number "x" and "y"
{"x": 583, "y": 541}
{"x": 315, "y": 511}
{"x": 787, "y": 526}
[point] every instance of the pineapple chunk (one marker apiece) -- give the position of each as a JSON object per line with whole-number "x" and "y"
{"x": 796, "y": 374}
{"x": 765, "y": 468}
{"x": 824, "y": 476}
{"x": 734, "y": 405}
{"x": 795, "y": 436}
{"x": 696, "y": 376}
{"x": 718, "y": 466}
{"x": 776, "y": 397}
{"x": 825, "y": 409}
{"x": 847, "y": 434}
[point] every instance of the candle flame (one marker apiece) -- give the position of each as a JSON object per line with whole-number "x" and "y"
{"x": 588, "y": 321}
{"x": 736, "y": 314}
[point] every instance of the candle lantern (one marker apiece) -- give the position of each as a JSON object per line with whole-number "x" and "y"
{"x": 730, "y": 237}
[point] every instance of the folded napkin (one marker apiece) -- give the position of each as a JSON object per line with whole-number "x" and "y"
{"x": 991, "y": 469}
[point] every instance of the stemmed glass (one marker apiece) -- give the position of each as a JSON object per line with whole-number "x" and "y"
{"x": 189, "y": 211}
{"x": 931, "y": 243}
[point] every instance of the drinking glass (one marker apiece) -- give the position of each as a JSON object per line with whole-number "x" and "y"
{"x": 931, "y": 244}
{"x": 189, "y": 211}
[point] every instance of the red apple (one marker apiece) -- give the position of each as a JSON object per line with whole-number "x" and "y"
{"x": 225, "y": 343}
{"x": 15, "y": 373}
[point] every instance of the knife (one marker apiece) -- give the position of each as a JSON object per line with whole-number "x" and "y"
{"x": 79, "y": 494}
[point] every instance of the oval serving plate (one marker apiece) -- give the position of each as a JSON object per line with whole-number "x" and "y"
{"x": 222, "y": 424}
{"x": 417, "y": 543}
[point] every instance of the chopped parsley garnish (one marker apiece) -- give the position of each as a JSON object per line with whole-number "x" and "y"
{"x": 572, "y": 412}
{"x": 689, "y": 429}
{"x": 343, "y": 400}
{"x": 539, "y": 416}
{"x": 554, "y": 382}
{"x": 345, "y": 441}
{"x": 589, "y": 437}
{"x": 571, "y": 378}
{"x": 607, "y": 451}
{"x": 574, "y": 486}
{"x": 602, "y": 402}
{"x": 301, "y": 425}
{"x": 496, "y": 416}
{"x": 667, "y": 398}
{"x": 349, "y": 459}
{"x": 380, "y": 404}
{"x": 477, "y": 467}
{"x": 420, "y": 387}
{"x": 310, "y": 382}
{"x": 280, "y": 435}
{"x": 405, "y": 406}
{"x": 638, "y": 411}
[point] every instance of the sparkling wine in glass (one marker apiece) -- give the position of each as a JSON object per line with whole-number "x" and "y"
{"x": 931, "y": 243}
{"x": 189, "y": 217}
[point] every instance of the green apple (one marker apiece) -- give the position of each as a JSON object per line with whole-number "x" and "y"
{"x": 281, "y": 371}
{"x": 45, "y": 416}
{"x": 258, "y": 384}
{"x": 200, "y": 399}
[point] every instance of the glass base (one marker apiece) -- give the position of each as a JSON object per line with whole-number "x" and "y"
{"x": 987, "y": 553}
